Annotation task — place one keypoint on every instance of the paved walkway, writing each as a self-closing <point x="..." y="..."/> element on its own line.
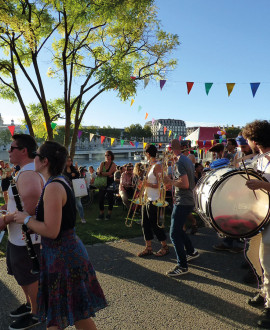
<point x="140" y="296"/>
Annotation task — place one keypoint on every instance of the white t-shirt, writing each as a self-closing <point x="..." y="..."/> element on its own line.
<point x="15" y="235"/>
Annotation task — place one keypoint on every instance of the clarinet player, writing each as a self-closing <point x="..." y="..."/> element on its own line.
<point x="29" y="185"/>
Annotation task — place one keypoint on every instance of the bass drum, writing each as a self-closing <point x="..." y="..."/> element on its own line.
<point x="223" y="201"/>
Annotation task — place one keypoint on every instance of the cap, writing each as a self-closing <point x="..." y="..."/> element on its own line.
<point x="241" y="141"/>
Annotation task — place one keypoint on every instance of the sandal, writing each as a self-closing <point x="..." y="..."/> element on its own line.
<point x="163" y="251"/>
<point x="146" y="252"/>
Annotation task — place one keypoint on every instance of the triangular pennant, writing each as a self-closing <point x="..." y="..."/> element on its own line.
<point x="153" y="121"/>
<point x="122" y="143"/>
<point x="204" y="142"/>
<point x="220" y="140"/>
<point x="146" y="81"/>
<point x="44" y="124"/>
<point x="112" y="141"/>
<point x="11" y="129"/>
<point x="189" y="86"/>
<point x="102" y="138"/>
<point x="79" y="134"/>
<point x="254" y="87"/>
<point x="212" y="142"/>
<point x="136" y="144"/>
<point x="159" y="145"/>
<point x="146" y="115"/>
<point x="159" y="126"/>
<point x="144" y="145"/>
<point x="180" y="137"/>
<point x="132" y="101"/>
<point x="53" y="125"/>
<point x="132" y="77"/>
<point x="230" y="87"/>
<point x="174" y="135"/>
<point x="208" y="87"/>
<point x="164" y="129"/>
<point x="170" y="132"/>
<point x="91" y="136"/>
<point x="130" y="142"/>
<point x="162" y="83"/>
<point x="139" y="108"/>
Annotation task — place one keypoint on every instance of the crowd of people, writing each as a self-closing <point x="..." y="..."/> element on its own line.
<point x="66" y="291"/>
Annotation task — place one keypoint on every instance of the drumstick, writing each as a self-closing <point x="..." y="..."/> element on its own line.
<point x="248" y="177"/>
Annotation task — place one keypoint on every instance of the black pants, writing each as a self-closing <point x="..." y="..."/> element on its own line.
<point x="149" y="223"/>
<point x="101" y="198"/>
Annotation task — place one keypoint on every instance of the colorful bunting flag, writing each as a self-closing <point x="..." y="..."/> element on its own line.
<point x="164" y="129"/>
<point x="132" y="101"/>
<point x="175" y="135"/>
<point x="146" y="81"/>
<point x="53" y="125"/>
<point x="208" y="87"/>
<point x="159" y="126"/>
<point x="112" y="141"/>
<point x="144" y="145"/>
<point x="44" y="124"/>
<point x="180" y="137"/>
<point x="230" y="87"/>
<point x="139" y="108"/>
<point x="170" y="132"/>
<point x="122" y="143"/>
<point x="11" y="129"/>
<point x="189" y="86"/>
<point x="254" y="87"/>
<point x="160" y="145"/>
<point x="162" y="83"/>
<point x="220" y="140"/>
<point x="153" y="121"/>
<point x="212" y="142"/>
<point x="102" y="138"/>
<point x="79" y="134"/>
<point x="136" y="144"/>
<point x="132" y="77"/>
<point x="146" y="115"/>
<point x="91" y="136"/>
<point x="204" y="142"/>
<point x="130" y="142"/>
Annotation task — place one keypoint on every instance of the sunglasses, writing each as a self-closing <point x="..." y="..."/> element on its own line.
<point x="36" y="154"/>
<point x="12" y="148"/>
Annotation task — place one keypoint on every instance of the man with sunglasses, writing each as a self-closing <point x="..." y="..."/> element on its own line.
<point x="29" y="184"/>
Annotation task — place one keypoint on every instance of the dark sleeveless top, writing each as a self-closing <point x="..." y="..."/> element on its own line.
<point x="110" y="179"/>
<point x="68" y="211"/>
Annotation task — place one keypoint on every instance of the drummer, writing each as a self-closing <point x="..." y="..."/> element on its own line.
<point x="257" y="134"/>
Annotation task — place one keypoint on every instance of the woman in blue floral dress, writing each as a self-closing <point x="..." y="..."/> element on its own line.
<point x="69" y="292"/>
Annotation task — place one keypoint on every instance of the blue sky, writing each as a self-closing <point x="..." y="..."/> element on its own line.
<point x="221" y="42"/>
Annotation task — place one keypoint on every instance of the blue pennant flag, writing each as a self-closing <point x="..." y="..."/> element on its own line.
<point x="254" y="87"/>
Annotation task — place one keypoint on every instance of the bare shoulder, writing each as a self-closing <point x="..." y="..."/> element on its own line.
<point x="29" y="178"/>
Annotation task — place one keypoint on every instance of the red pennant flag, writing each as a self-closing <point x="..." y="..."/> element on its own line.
<point x="11" y="129"/>
<point x="189" y="86"/>
<point x="180" y="137"/>
<point x="102" y="138"/>
<point x="146" y="115"/>
<point x="130" y="142"/>
<point x="164" y="129"/>
<point x="132" y="77"/>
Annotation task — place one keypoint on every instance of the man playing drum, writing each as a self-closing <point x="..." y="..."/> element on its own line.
<point x="257" y="134"/>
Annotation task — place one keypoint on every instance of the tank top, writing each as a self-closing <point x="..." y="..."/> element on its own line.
<point x="152" y="193"/>
<point x="14" y="229"/>
<point x="68" y="211"/>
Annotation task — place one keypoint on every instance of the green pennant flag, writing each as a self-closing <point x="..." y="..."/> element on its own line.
<point x="175" y="135"/>
<point x="208" y="87"/>
<point x="220" y="140"/>
<point x="53" y="125"/>
<point x="122" y="143"/>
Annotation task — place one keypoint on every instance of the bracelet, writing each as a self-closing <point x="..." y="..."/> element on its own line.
<point x="26" y="220"/>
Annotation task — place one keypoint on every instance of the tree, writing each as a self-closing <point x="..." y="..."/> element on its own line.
<point x="136" y="131"/>
<point x="5" y="137"/>
<point x="94" y="46"/>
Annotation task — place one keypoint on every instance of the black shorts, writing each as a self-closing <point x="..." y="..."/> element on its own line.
<point x="5" y="184"/>
<point x="19" y="263"/>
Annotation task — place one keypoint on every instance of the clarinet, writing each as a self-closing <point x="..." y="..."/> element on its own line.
<point x="29" y="245"/>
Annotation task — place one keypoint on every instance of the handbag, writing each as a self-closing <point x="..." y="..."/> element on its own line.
<point x="100" y="182"/>
<point x="79" y="187"/>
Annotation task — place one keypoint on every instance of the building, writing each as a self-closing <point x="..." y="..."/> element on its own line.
<point x="176" y="126"/>
<point x="191" y="129"/>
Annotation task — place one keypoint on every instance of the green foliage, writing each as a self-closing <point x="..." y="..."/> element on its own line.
<point x="5" y="137"/>
<point x="136" y="131"/>
<point x="232" y="132"/>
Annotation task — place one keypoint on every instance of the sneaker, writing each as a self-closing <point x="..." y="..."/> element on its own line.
<point x="264" y="321"/>
<point x="25" y="322"/>
<point x="177" y="271"/>
<point x="108" y="217"/>
<point x="221" y="247"/>
<point x="257" y="301"/>
<point x="100" y="217"/>
<point x="24" y="309"/>
<point x="194" y="255"/>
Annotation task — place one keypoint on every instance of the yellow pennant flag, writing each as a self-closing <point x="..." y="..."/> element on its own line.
<point x="146" y="115"/>
<point x="45" y="125"/>
<point x="91" y="136"/>
<point x="132" y="101"/>
<point x="144" y="145"/>
<point x="212" y="142"/>
<point x="170" y="132"/>
<point x="230" y="87"/>
<point x="112" y="141"/>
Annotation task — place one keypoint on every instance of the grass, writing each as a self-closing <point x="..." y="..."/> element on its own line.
<point x="103" y="231"/>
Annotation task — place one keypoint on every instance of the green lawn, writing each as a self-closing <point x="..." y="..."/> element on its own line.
<point x="102" y="231"/>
